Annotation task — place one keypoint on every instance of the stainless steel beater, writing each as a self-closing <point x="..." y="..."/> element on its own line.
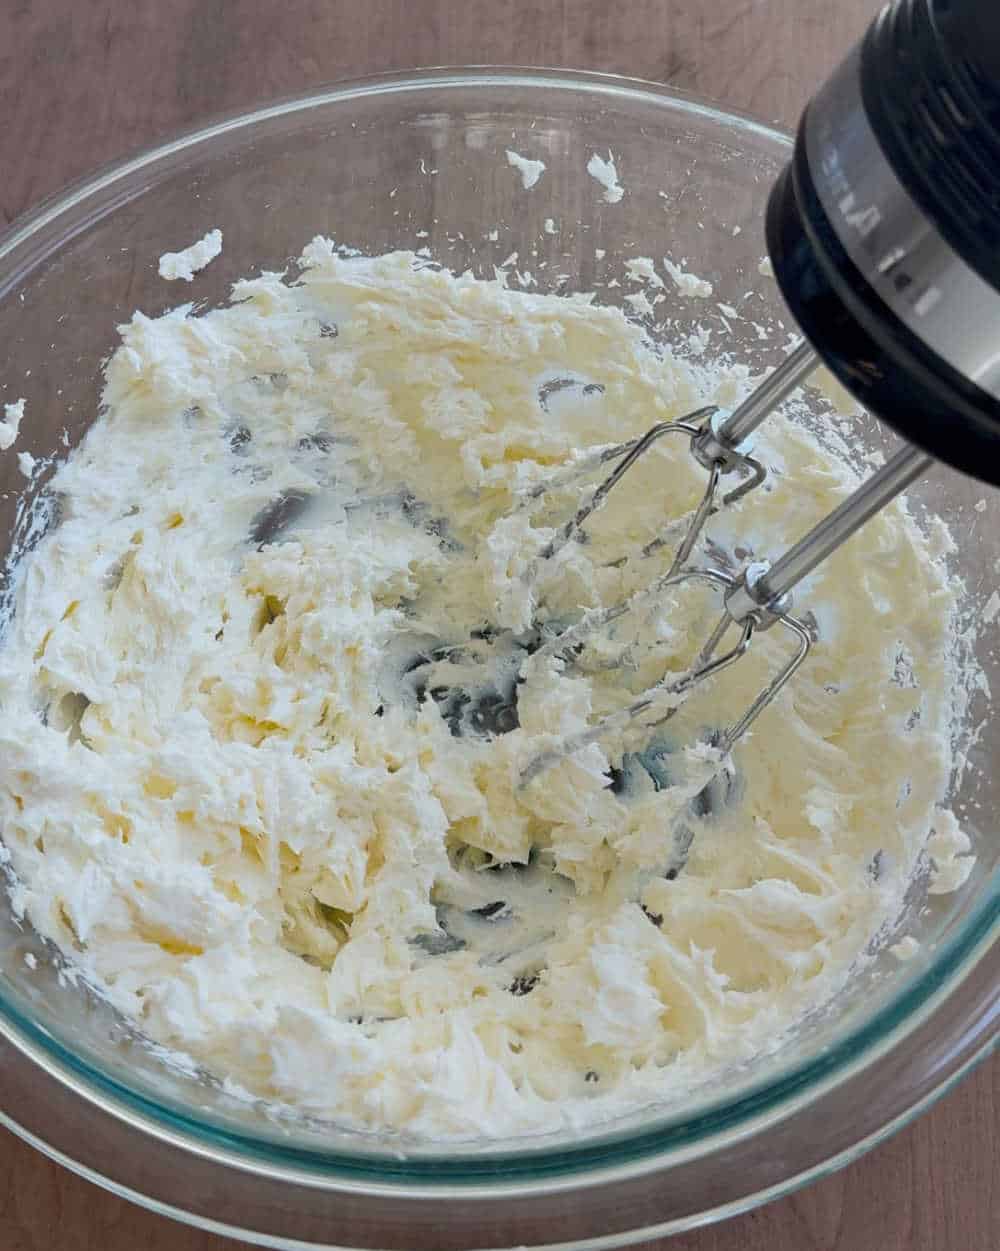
<point x="757" y="598"/>
<point x="884" y="236"/>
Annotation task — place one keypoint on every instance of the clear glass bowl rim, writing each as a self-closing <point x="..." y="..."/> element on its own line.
<point x="50" y="225"/>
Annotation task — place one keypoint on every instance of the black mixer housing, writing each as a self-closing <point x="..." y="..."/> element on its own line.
<point x="884" y="229"/>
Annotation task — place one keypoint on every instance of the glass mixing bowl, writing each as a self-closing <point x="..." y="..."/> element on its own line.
<point x="418" y="161"/>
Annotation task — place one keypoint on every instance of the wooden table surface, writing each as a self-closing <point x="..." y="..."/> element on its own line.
<point x="83" y="82"/>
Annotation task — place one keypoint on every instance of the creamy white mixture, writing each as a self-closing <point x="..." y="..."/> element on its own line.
<point x="11" y="424"/>
<point x="687" y="283"/>
<point x="191" y="260"/>
<point x="605" y="172"/>
<point x="242" y="778"/>
<point x="529" y="169"/>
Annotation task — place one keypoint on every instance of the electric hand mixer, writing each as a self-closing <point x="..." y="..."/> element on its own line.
<point x="884" y="235"/>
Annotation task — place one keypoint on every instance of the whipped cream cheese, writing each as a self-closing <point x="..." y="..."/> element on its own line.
<point x="269" y="690"/>
<point x="191" y="260"/>
<point x="11" y="425"/>
<point x="604" y="172"/>
<point x="529" y="169"/>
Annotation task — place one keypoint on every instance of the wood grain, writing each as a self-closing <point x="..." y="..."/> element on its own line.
<point x="82" y="83"/>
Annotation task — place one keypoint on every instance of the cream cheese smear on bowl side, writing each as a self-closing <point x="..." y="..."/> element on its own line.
<point x="270" y="686"/>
